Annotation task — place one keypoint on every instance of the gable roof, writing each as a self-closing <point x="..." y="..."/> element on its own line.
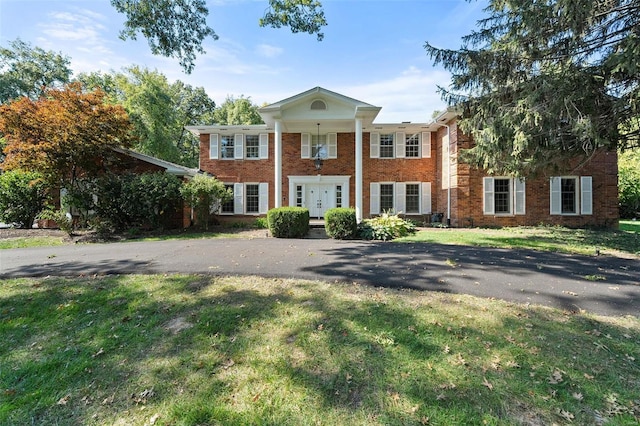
<point x="171" y="168"/>
<point x="335" y="112"/>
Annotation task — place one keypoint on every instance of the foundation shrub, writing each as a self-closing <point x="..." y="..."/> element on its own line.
<point x="386" y="227"/>
<point x="341" y="223"/>
<point x="288" y="222"/>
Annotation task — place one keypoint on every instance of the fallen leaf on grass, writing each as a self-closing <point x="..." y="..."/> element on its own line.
<point x="97" y="354"/>
<point x="578" y="396"/>
<point x="555" y="378"/>
<point x="566" y="415"/>
<point x="64" y="400"/>
<point x="486" y="383"/>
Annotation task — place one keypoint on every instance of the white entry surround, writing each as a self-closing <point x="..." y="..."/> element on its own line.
<point x="318" y="192"/>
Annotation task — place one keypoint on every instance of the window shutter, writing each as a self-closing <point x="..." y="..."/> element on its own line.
<point x="374" y="145"/>
<point x="238" y="146"/>
<point x="426" y="144"/>
<point x="489" y="205"/>
<point x="586" y="195"/>
<point x="332" y="145"/>
<point x="555" y="191"/>
<point x="264" y="146"/>
<point x="305" y="145"/>
<point x="400" y="145"/>
<point x="213" y="146"/>
<point x="399" y="203"/>
<point x="426" y="197"/>
<point x="238" y="198"/>
<point x="374" y="195"/>
<point x="520" y="194"/>
<point x="263" y="197"/>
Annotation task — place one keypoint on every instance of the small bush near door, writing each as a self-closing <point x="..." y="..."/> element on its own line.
<point x="386" y="227"/>
<point x="341" y="223"/>
<point x="288" y="222"/>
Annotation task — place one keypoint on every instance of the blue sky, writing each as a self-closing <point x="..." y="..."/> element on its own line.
<point x="372" y="51"/>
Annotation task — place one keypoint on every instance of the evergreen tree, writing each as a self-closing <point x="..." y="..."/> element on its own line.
<point x="542" y="82"/>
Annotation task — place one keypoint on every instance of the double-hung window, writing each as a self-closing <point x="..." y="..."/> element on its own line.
<point x="319" y="147"/>
<point x="571" y="195"/>
<point x="227" y="207"/>
<point x="412" y="145"/>
<point x="227" y="146"/>
<point x="400" y="197"/>
<point x="386" y="145"/>
<point x="252" y="146"/>
<point x="252" y="198"/>
<point x="504" y="196"/>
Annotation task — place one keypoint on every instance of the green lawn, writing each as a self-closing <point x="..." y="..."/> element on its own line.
<point x="194" y="350"/>
<point x="548" y="238"/>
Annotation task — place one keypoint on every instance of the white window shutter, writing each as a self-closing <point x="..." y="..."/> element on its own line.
<point x="213" y="146"/>
<point x="586" y="195"/>
<point x="426" y="144"/>
<point x="332" y="145"/>
<point x="263" y="197"/>
<point x="426" y="197"/>
<point x="520" y="194"/>
<point x="238" y="146"/>
<point x="488" y="190"/>
<point x="374" y="196"/>
<point x="305" y="145"/>
<point x="238" y="198"/>
<point x="555" y="194"/>
<point x="400" y="200"/>
<point x="374" y="145"/>
<point x="264" y="146"/>
<point x="400" y="145"/>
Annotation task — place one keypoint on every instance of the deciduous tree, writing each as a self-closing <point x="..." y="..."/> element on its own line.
<point x="28" y="71"/>
<point x="177" y="28"/>
<point x="237" y="112"/>
<point x="542" y="82"/>
<point x="63" y="134"/>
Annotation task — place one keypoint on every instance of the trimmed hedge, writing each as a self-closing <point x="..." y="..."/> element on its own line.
<point x="340" y="223"/>
<point x="288" y="222"/>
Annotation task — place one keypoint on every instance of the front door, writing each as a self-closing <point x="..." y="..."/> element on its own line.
<point x="319" y="198"/>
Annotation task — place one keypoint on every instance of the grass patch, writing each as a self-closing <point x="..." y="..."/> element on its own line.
<point x="189" y="350"/>
<point x="545" y="238"/>
<point x="630" y="225"/>
<point x="26" y="242"/>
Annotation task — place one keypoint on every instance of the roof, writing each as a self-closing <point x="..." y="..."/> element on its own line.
<point x="171" y="168"/>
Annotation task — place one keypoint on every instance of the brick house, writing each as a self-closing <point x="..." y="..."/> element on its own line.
<point x="320" y="149"/>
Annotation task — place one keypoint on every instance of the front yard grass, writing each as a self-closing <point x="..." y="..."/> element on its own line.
<point x="192" y="350"/>
<point x="625" y="240"/>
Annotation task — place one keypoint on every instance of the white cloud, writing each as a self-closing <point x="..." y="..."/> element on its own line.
<point x="268" y="51"/>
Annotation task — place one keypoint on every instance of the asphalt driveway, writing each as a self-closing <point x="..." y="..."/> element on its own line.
<point x="599" y="284"/>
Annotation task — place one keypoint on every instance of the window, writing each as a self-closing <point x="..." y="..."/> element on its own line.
<point x="252" y="198"/>
<point x="504" y="196"/>
<point x="252" y="146"/>
<point x="227" y="146"/>
<point x="298" y="195"/>
<point x="338" y="195"/>
<point x="412" y="198"/>
<point x="412" y="145"/>
<point x="571" y="195"/>
<point x="319" y="146"/>
<point x="386" y="145"/>
<point x="386" y="197"/>
<point x="228" y="207"/>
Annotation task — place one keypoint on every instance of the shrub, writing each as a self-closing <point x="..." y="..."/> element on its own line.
<point x="261" y="223"/>
<point x="341" y="223"/>
<point x="206" y="195"/>
<point x="386" y="227"/>
<point x="22" y="197"/>
<point x="62" y="218"/>
<point x="288" y="222"/>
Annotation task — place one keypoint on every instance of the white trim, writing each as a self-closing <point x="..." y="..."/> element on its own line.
<point x="263" y="197"/>
<point x="399" y="200"/>
<point x="238" y="198"/>
<point x="555" y="194"/>
<point x="488" y="200"/>
<point x="520" y="193"/>
<point x="374" y="198"/>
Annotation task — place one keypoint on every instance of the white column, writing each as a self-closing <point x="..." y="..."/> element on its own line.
<point x="278" y="164"/>
<point x="358" y="200"/>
